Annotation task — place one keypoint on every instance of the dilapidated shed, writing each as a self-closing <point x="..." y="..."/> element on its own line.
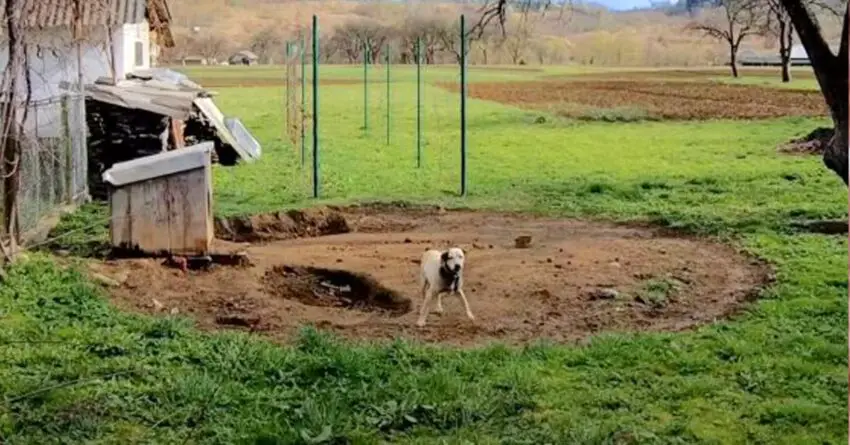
<point x="162" y="204"/>
<point x="153" y="111"/>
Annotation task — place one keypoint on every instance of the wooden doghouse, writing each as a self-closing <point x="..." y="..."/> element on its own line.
<point x="162" y="204"/>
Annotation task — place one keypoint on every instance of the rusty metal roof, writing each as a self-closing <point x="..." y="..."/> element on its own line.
<point x="55" y="13"/>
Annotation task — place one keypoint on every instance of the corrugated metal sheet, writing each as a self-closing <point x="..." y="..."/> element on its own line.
<point x="54" y="13"/>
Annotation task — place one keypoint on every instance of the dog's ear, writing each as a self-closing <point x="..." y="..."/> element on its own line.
<point x="445" y="256"/>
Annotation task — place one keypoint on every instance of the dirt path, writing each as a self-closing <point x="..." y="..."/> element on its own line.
<point x="576" y="278"/>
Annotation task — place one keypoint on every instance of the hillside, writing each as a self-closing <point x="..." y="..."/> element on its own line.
<point x="585" y="34"/>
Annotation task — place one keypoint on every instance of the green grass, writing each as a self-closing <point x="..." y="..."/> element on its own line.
<point x="807" y="83"/>
<point x="75" y="370"/>
<point x="802" y="77"/>
<point x="709" y="176"/>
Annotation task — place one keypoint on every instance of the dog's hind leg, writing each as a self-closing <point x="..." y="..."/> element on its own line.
<point x="465" y="304"/>
<point x="426" y="302"/>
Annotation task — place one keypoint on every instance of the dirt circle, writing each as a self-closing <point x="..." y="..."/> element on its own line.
<point x="573" y="279"/>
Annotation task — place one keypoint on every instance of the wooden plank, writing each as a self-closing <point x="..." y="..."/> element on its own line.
<point x="177" y="137"/>
<point x="191" y="220"/>
<point x="209" y="195"/>
<point x="179" y="217"/>
<point x="120" y="223"/>
<point x="200" y="224"/>
<point x="150" y="216"/>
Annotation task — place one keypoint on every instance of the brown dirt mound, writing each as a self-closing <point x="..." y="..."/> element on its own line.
<point x="813" y="143"/>
<point x="315" y="286"/>
<point x="574" y="279"/>
<point x="281" y="225"/>
<point x="659" y="99"/>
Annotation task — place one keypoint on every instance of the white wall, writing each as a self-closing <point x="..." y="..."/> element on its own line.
<point x="130" y="43"/>
<point x="53" y="59"/>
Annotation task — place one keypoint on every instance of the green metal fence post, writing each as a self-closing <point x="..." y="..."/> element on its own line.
<point x="303" y="98"/>
<point x="463" y="177"/>
<point x="365" y="86"/>
<point x="315" y="106"/>
<point x="287" y="109"/>
<point x="418" y="102"/>
<point x="388" y="92"/>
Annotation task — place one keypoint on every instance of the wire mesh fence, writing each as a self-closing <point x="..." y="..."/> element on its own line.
<point x="53" y="158"/>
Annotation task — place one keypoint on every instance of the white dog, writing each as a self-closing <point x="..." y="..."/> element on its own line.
<point x="442" y="272"/>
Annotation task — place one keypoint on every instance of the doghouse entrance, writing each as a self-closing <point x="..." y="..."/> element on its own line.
<point x="333" y="288"/>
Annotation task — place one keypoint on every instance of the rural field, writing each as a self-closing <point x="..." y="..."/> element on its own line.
<point x="667" y="295"/>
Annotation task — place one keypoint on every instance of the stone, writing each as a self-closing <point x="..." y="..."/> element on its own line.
<point x="604" y="294"/>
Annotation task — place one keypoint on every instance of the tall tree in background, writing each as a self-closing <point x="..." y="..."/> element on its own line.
<point x="210" y="47"/>
<point x="779" y="25"/>
<point x="737" y="20"/>
<point x="266" y="43"/>
<point x="427" y="31"/>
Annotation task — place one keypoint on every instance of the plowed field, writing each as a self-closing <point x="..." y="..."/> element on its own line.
<point x="657" y="99"/>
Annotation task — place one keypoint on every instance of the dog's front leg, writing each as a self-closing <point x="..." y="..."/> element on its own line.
<point x="423" y="311"/>
<point x="465" y="304"/>
<point x="439" y="308"/>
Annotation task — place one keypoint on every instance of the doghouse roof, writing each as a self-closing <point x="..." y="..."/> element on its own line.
<point x="159" y="165"/>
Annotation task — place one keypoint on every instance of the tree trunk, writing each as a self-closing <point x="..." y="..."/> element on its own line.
<point x="831" y="73"/>
<point x="786" y="68"/>
<point x="11" y="143"/>
<point x="786" y="35"/>
<point x="835" y="155"/>
<point x="733" y="61"/>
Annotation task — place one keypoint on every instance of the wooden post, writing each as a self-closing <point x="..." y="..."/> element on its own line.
<point x="68" y="192"/>
<point x="177" y="133"/>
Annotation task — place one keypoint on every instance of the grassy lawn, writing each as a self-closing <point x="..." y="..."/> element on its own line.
<point x="75" y="370"/>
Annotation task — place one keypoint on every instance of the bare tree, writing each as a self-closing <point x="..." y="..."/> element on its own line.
<point x="265" y="43"/>
<point x="427" y="31"/>
<point x="210" y="47"/>
<point x="486" y="42"/>
<point x="363" y="35"/>
<point x="347" y="43"/>
<point x="328" y="48"/>
<point x="518" y="37"/>
<point x="779" y="25"/>
<point x="738" y="20"/>
<point x="831" y="72"/>
<point x="496" y="12"/>
<point x="450" y="42"/>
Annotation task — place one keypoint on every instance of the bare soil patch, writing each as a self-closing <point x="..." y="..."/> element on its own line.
<point x="813" y="143"/>
<point x="678" y="74"/>
<point x="572" y="279"/>
<point x="659" y="99"/>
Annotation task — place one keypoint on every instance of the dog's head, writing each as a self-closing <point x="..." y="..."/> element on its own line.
<point x="453" y="259"/>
